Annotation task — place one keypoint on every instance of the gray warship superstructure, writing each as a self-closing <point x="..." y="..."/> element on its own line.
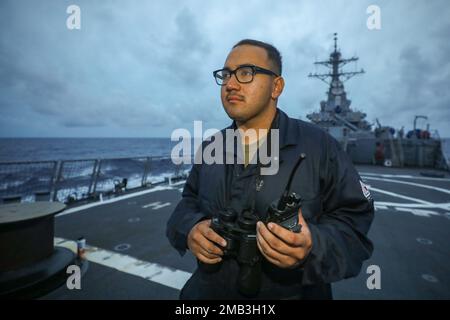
<point x="365" y="145"/>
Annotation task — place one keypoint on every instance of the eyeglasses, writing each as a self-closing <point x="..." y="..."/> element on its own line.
<point x="244" y="74"/>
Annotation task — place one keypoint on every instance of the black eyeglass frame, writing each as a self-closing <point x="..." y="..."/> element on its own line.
<point x="255" y="69"/>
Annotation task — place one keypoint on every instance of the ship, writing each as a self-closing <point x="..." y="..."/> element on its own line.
<point x="116" y="210"/>
<point x="365" y="142"/>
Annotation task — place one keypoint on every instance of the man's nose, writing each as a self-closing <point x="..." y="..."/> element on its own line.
<point x="232" y="83"/>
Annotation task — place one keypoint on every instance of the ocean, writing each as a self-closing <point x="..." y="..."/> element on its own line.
<point x="121" y="158"/>
<point x="44" y="149"/>
<point x="76" y="178"/>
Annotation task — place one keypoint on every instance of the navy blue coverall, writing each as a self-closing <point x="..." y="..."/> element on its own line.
<point x="335" y="204"/>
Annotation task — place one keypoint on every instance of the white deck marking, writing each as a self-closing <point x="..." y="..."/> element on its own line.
<point x="402" y="176"/>
<point x="415" y="211"/>
<point x="122" y="247"/>
<point x="397" y="195"/>
<point x="417" y="207"/>
<point x="445" y="206"/>
<point x="430" y="278"/>
<point x="119" y="198"/>
<point x="154" y="272"/>
<point x="156" y="205"/>
<point x="419" y="212"/>
<point x="410" y="183"/>
<point x="424" y="241"/>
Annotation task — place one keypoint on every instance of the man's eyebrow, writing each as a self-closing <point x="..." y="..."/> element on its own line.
<point x="239" y="65"/>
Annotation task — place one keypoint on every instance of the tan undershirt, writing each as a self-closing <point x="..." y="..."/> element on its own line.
<point x="249" y="150"/>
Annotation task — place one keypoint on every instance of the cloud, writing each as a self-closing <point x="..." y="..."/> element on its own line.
<point x="145" y="68"/>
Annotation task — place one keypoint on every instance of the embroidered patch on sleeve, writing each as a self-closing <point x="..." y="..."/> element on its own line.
<point x="365" y="190"/>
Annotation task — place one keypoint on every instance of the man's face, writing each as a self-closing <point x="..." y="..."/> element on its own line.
<point x="244" y="101"/>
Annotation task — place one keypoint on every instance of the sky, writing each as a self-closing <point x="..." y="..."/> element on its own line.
<point x="144" y="68"/>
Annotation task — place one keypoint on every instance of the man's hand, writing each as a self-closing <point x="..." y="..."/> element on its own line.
<point x="203" y="241"/>
<point x="284" y="248"/>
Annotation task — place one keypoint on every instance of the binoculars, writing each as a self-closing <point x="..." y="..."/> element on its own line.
<point x="239" y="231"/>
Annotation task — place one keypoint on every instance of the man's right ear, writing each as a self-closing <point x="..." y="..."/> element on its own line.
<point x="278" y="87"/>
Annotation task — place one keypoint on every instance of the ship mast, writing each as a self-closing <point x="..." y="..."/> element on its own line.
<point x="335" y="63"/>
<point x="335" y="112"/>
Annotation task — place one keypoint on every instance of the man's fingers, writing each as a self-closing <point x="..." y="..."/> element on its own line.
<point x="211" y="248"/>
<point x="269" y="252"/>
<point x="272" y="240"/>
<point x="291" y="238"/>
<point x="207" y="260"/>
<point x="211" y="235"/>
<point x="207" y="247"/>
<point x="306" y="232"/>
<point x="208" y="254"/>
<point x="273" y="261"/>
<point x="199" y="244"/>
<point x="301" y="220"/>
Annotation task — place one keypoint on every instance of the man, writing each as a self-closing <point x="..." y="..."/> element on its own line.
<point x="336" y="207"/>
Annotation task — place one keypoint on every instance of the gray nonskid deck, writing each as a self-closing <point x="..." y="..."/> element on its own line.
<point x="410" y="234"/>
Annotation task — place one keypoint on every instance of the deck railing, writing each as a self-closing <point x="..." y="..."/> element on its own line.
<point x="73" y="180"/>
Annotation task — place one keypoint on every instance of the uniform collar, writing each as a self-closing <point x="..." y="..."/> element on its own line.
<point x="289" y="130"/>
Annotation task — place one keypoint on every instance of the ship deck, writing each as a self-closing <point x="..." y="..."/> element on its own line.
<point x="129" y="256"/>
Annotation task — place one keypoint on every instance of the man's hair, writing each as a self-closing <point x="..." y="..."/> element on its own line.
<point x="272" y="52"/>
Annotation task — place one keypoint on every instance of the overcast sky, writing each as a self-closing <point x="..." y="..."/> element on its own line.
<point x="144" y="68"/>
